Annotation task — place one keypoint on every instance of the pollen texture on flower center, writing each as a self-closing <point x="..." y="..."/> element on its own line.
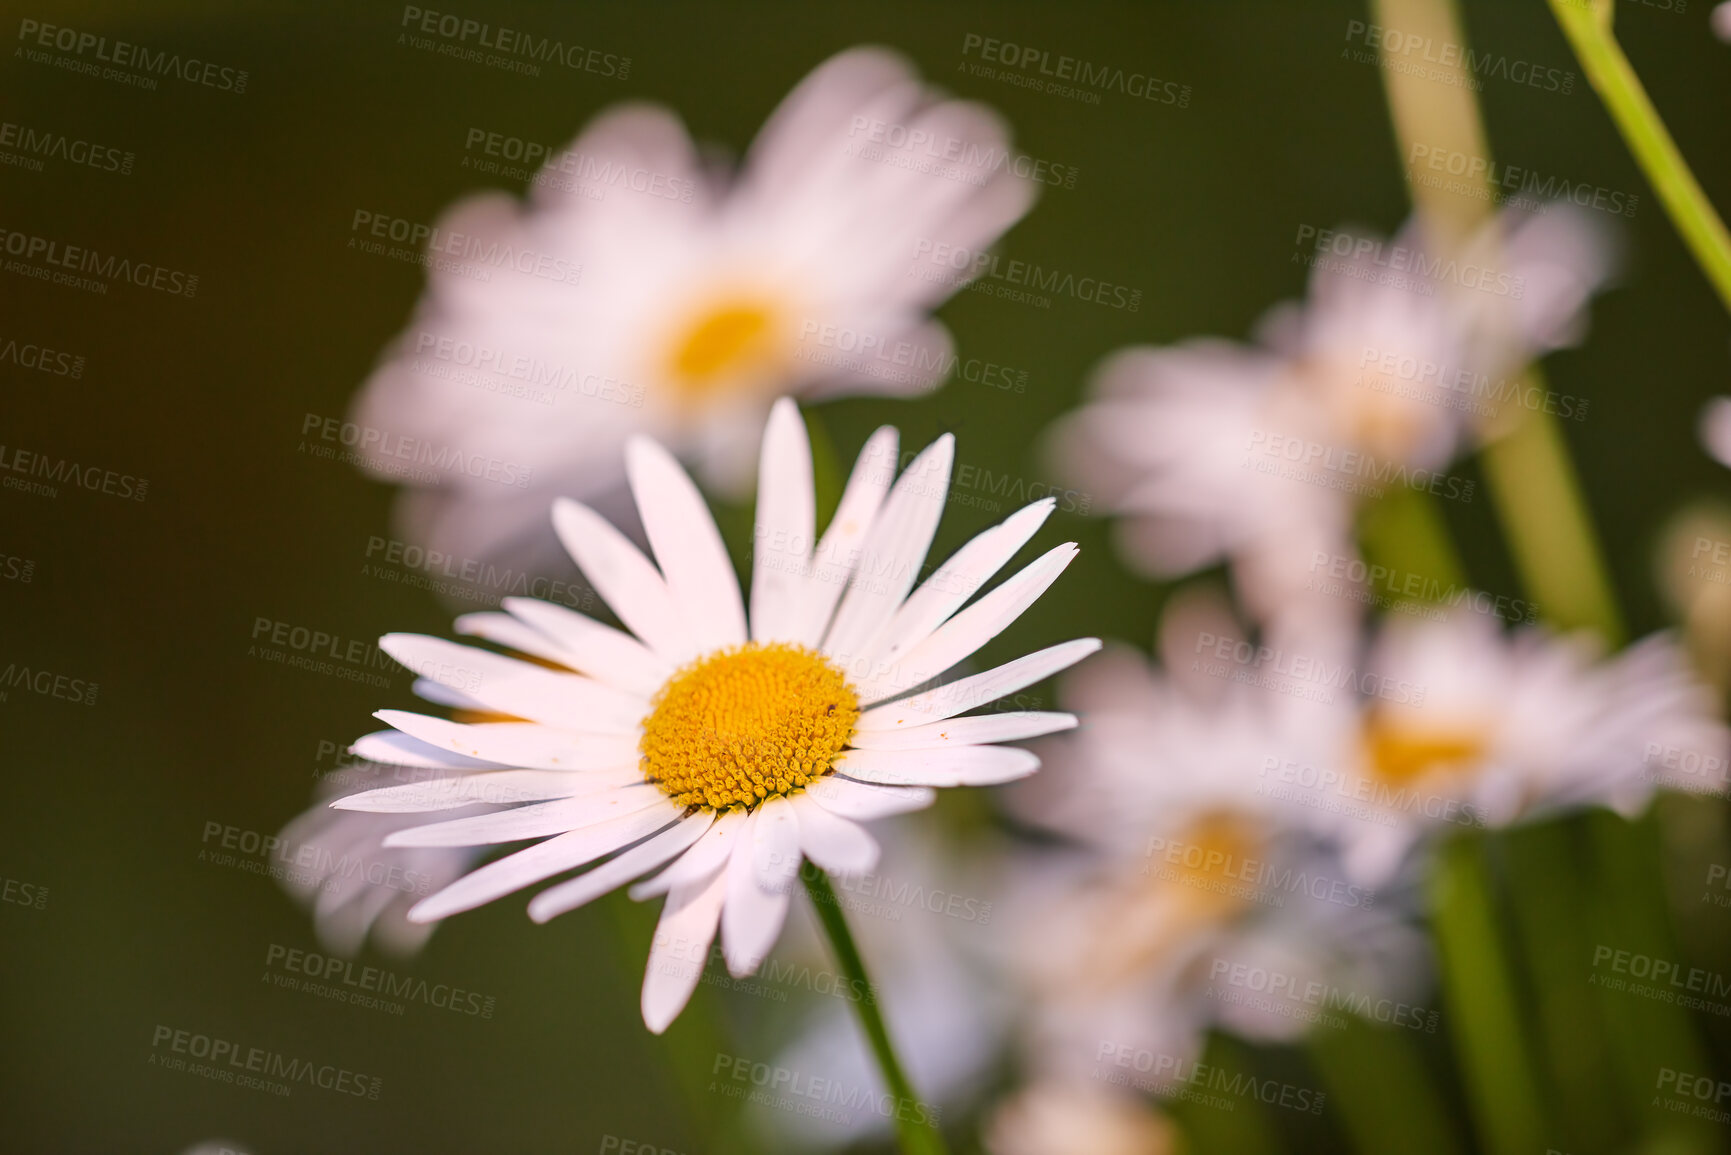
<point x="747" y="724"/>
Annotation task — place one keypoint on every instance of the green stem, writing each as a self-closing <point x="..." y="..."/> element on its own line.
<point x="1609" y="72"/>
<point x="914" y="1128"/>
<point x="1483" y="1010"/>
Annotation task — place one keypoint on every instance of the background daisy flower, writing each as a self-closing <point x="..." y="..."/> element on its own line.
<point x="1260" y="455"/>
<point x="683" y="313"/>
<point x="720" y="746"/>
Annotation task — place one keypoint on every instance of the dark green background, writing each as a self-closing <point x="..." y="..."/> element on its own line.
<point x="106" y="805"/>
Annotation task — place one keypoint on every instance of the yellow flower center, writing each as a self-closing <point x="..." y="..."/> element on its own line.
<point x="729" y="340"/>
<point x="1400" y="755"/>
<point x="746" y="724"/>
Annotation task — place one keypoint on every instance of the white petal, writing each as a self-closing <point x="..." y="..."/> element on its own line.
<point x="527" y="745"/>
<point x="570" y="895"/>
<point x="965" y="633"/>
<point x="775" y="845"/>
<point x="543" y="860"/>
<point x="687" y="545"/>
<point x="868" y="800"/>
<point x="786" y="528"/>
<point x="837" y="550"/>
<point x="506" y="630"/>
<point x="604" y="653"/>
<point x="680" y="950"/>
<point x="832" y="842"/>
<point x="496" y="787"/>
<point x="399" y="749"/>
<point x="538" y="820"/>
<point x="893" y="552"/>
<point x="625" y="579"/>
<point x="517" y="688"/>
<point x="958" y="579"/>
<point x="751" y="917"/>
<point x="430" y="691"/>
<point x="969" y="693"/>
<point x="977" y="730"/>
<point x="960" y="766"/>
<point x="708" y="856"/>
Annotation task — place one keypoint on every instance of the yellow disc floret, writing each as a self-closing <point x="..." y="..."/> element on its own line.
<point x="746" y="724"/>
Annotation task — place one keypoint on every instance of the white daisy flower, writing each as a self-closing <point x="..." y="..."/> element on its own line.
<point x="719" y="745"/>
<point x="1507" y="728"/>
<point x="355" y="887"/>
<point x="692" y="312"/>
<point x="1182" y="856"/>
<point x="1260" y="455"/>
<point x="1073" y="1117"/>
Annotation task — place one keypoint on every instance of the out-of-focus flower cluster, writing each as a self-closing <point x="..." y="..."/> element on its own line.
<point x="1237" y="835"/>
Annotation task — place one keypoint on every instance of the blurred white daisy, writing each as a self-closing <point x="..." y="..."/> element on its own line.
<point x="355" y="887"/>
<point x="722" y="746"/>
<point x="1070" y="1117"/>
<point x="1506" y="728"/>
<point x="1181" y="856"/>
<point x="692" y="312"/>
<point x="1260" y="455"/>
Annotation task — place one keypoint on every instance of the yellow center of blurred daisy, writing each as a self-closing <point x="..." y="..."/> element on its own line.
<point x="720" y="344"/>
<point x="747" y="724"/>
<point x="1400" y="755"/>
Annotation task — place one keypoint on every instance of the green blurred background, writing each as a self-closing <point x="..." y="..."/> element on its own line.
<point x="108" y="805"/>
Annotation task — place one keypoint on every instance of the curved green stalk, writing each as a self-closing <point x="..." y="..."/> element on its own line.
<point x="913" y="1119"/>
<point x="1608" y="70"/>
